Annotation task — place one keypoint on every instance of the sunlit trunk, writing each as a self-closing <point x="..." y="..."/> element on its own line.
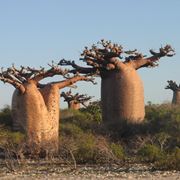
<point x="36" y="112"/>
<point x="51" y="134"/>
<point x="122" y="96"/>
<point x="176" y="98"/>
<point x="73" y="105"/>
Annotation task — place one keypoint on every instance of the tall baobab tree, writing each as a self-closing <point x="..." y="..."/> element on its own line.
<point x="176" y="91"/>
<point x="122" y="94"/>
<point x="75" y="100"/>
<point x="35" y="106"/>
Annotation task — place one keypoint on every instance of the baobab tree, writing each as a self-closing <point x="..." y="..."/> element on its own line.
<point x="176" y="91"/>
<point x="74" y="101"/>
<point x="35" y="106"/>
<point x="122" y="94"/>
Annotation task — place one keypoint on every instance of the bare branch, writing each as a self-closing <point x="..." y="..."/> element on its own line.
<point x="99" y="56"/>
<point x="163" y="51"/>
<point x="24" y="74"/>
<point x="77" y="68"/>
<point x="39" y="74"/>
<point x="77" y="98"/>
<point x="72" y="80"/>
<point x="19" y="76"/>
<point x="173" y="86"/>
<point x="131" y="51"/>
<point x="153" y="60"/>
<point x="8" y="79"/>
<point x="134" y="55"/>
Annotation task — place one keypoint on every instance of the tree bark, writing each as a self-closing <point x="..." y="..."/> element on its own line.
<point x="176" y="98"/>
<point x="36" y="115"/>
<point x="19" y="122"/>
<point x="36" y="112"/>
<point x="52" y="101"/>
<point x="73" y="105"/>
<point x="122" y="96"/>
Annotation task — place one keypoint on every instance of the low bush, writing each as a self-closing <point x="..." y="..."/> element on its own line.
<point x="84" y="138"/>
<point x="95" y="110"/>
<point x="171" y="161"/>
<point x="5" y="116"/>
<point x="6" y="136"/>
<point x="117" y="150"/>
<point x="86" y="149"/>
<point x="69" y="129"/>
<point x="150" y="153"/>
<point x="82" y="119"/>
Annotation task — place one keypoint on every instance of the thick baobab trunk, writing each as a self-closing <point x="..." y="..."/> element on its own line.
<point x="122" y="96"/>
<point x="176" y="98"/>
<point x="51" y="133"/>
<point x="73" y="105"/>
<point x="37" y="113"/>
<point x="19" y="122"/>
<point x="40" y="113"/>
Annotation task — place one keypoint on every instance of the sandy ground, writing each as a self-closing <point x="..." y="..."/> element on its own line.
<point x="54" y="171"/>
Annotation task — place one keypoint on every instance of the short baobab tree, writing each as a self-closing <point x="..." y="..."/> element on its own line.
<point x="176" y="91"/>
<point x="35" y="106"/>
<point x="122" y="93"/>
<point x="74" y="101"/>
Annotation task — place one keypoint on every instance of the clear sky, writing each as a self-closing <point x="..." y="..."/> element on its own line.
<point x="35" y="32"/>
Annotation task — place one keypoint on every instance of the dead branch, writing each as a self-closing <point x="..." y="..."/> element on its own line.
<point x="74" y="160"/>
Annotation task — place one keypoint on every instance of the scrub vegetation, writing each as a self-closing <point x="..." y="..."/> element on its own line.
<point x="85" y="139"/>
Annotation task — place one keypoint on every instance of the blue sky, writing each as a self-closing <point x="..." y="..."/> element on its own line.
<point x="35" y="32"/>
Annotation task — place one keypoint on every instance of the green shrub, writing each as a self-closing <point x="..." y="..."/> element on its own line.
<point x="95" y="110"/>
<point x="69" y="129"/>
<point x="84" y="120"/>
<point x="16" y="137"/>
<point x="88" y="148"/>
<point x="163" y="124"/>
<point x="117" y="150"/>
<point x="90" y="141"/>
<point x="5" y="116"/>
<point x="162" y="127"/>
<point x="3" y="135"/>
<point x="67" y="113"/>
<point x="150" y="153"/>
<point x="171" y="160"/>
<point x="164" y="118"/>
<point x="7" y="135"/>
<point x="85" y="149"/>
<point x="162" y="139"/>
